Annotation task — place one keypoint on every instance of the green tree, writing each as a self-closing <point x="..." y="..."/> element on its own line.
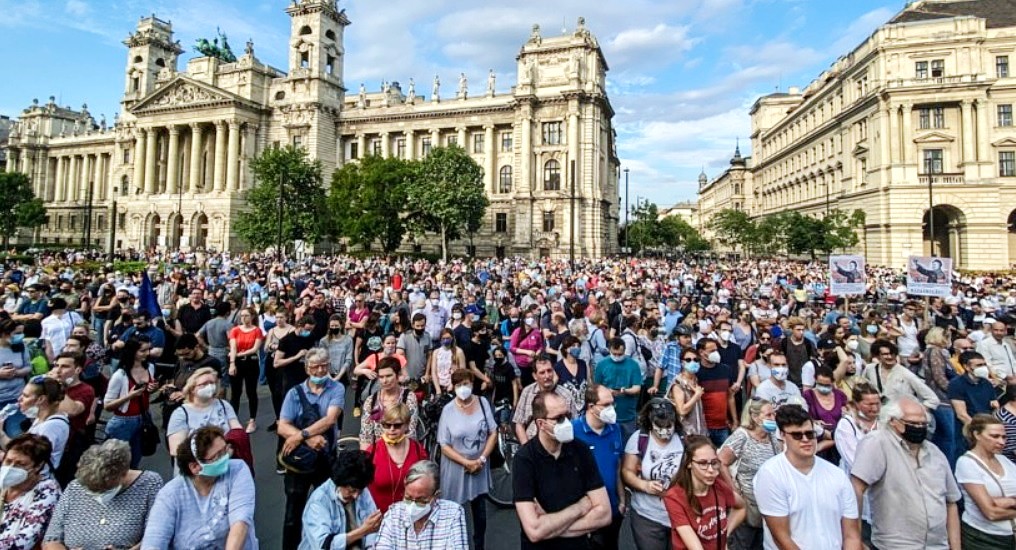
<point x="840" y="229"/>
<point x="678" y="233"/>
<point x="734" y="228"/>
<point x="367" y="202"/>
<point x="18" y="205"/>
<point x="302" y="202"/>
<point x="446" y="194"/>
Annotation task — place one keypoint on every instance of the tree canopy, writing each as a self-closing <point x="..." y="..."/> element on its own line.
<point x="18" y="205"/>
<point x="367" y="202"/>
<point x="669" y="233"/>
<point x="790" y="232"/>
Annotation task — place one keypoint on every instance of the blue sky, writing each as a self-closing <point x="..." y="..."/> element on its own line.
<point x="683" y="73"/>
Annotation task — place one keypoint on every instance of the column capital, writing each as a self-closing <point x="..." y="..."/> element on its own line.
<point x="195" y="126"/>
<point x="150" y="130"/>
<point x="220" y="124"/>
<point x="383" y="134"/>
<point x="488" y="126"/>
<point x="173" y="129"/>
<point x="234" y="123"/>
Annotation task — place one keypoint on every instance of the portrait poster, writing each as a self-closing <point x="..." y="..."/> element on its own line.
<point x="929" y="276"/>
<point x="846" y="275"/>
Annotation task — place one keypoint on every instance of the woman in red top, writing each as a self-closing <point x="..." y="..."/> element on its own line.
<point x="244" y="343"/>
<point x="526" y="344"/>
<point x="393" y="455"/>
<point x="703" y="509"/>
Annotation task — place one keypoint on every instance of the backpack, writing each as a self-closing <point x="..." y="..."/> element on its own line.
<point x="238" y="438"/>
<point x="304" y="459"/>
<point x="644" y="354"/>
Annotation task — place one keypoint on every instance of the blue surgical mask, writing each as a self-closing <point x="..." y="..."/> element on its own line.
<point x="216" y="468"/>
<point x="318" y="380"/>
<point x="769" y="425"/>
<point x="872" y="329"/>
<point x="692" y="367"/>
<point x="446" y="342"/>
<point x="575" y="352"/>
<point x="304" y="333"/>
<point x="17" y="339"/>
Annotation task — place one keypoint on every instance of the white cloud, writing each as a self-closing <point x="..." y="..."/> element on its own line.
<point x="76" y="8"/>
<point x="661" y="44"/>
<point x="859" y="30"/>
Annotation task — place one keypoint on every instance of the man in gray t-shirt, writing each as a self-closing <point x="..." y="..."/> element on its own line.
<point x="215" y="334"/>
<point x="414" y="345"/>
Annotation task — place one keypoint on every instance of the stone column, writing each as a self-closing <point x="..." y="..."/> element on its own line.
<point x="361" y="146"/>
<point x="435" y="138"/>
<point x="88" y="180"/>
<point x="526" y="151"/>
<point x="173" y="162"/>
<point x="967" y="134"/>
<point x="219" y="175"/>
<point x="139" y="159"/>
<point x="384" y="144"/>
<point x="462" y="139"/>
<point x="151" y="165"/>
<point x="983" y="132"/>
<point x="908" y="123"/>
<point x="410" y="145"/>
<point x="195" y="158"/>
<point x="58" y="189"/>
<point x="491" y="175"/>
<point x="26" y="162"/>
<point x="72" y="179"/>
<point x="574" y="162"/>
<point x="233" y="159"/>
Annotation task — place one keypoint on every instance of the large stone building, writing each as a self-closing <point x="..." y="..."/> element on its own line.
<point x="175" y="162"/>
<point x="923" y="106"/>
<point x="731" y="189"/>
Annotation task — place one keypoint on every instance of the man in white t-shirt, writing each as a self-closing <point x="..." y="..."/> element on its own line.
<point x="776" y="389"/>
<point x="806" y="502"/>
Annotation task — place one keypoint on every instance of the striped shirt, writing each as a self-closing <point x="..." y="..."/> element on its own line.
<point x="445" y="529"/>
<point x="1009" y="420"/>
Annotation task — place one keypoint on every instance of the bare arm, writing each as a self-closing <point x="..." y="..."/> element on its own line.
<point x="540" y="525"/>
<point x="237" y="536"/>
<point x="988" y="506"/>
<point x="520" y="433"/>
<point x="598" y="516"/>
<point x="779" y="528"/>
<point x="960" y="407"/>
<point x="851" y="532"/>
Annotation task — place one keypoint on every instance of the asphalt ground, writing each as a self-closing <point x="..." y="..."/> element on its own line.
<point x="502" y="524"/>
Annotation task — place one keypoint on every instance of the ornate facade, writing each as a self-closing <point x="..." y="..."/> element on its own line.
<point x="922" y="107"/>
<point x="175" y="162"/>
<point x="731" y="189"/>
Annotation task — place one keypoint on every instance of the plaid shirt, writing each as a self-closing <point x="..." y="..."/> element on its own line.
<point x="671" y="362"/>
<point x="445" y="529"/>
<point x="524" y="410"/>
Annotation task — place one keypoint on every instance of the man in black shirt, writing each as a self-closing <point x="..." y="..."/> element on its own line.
<point x="292" y="349"/>
<point x="559" y="494"/>
<point x="319" y="310"/>
<point x="194" y="314"/>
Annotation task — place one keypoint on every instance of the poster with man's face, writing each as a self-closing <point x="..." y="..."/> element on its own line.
<point x="846" y="275"/>
<point x="929" y="276"/>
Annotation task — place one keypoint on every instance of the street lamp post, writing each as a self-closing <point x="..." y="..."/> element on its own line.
<point x="179" y="217"/>
<point x="88" y="214"/>
<point x="112" y="227"/>
<point x="931" y="216"/>
<point x="626" y="209"/>
<point x="278" y="239"/>
<point x="571" y="223"/>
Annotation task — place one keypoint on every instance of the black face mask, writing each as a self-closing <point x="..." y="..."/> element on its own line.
<point x="418" y="331"/>
<point x="334" y="331"/>
<point x="914" y="434"/>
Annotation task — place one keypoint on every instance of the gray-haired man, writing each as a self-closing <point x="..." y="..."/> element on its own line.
<point x="422" y="520"/>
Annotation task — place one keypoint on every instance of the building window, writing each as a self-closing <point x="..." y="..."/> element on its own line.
<point x="1007" y="164"/>
<point x="122" y="222"/>
<point x="937" y="68"/>
<point x="548" y="221"/>
<point x="1005" y="115"/>
<point x="400" y="147"/>
<point x="938" y="117"/>
<point x="73" y="223"/>
<point x="297" y="141"/>
<point x="552" y="133"/>
<point x="100" y="222"/>
<point x="304" y="60"/>
<point x="330" y="65"/>
<point x="500" y="222"/>
<point x="1002" y="66"/>
<point x="425" y="146"/>
<point x="552" y="176"/>
<point x="924" y="119"/>
<point x="354" y="150"/>
<point x="932" y="161"/>
<point x="921" y="70"/>
<point x="59" y="223"/>
<point x="478" y="142"/>
<point x="126" y="155"/>
<point x="506" y="142"/>
<point x="453" y="140"/>
<point x="505" y="180"/>
<point x="375" y="147"/>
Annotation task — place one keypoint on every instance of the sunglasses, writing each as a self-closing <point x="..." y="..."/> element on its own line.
<point x="392" y="425"/>
<point x="798" y="436"/>
<point x="556" y="419"/>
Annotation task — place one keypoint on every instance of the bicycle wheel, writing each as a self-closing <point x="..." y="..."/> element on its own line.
<point x="348" y="443"/>
<point x="501" y="490"/>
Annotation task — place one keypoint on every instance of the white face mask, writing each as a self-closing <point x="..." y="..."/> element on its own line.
<point x="32" y="412"/>
<point x="105" y="497"/>
<point x="456" y="315"/>
<point x="852" y="345"/>
<point x="982" y="372"/>
<point x="12" y="476"/>
<point x="664" y="433"/>
<point x="463" y="392"/>
<point x="780" y="373"/>
<point x="564" y="431"/>
<point x="608" y="415"/>
<point x="530" y="321"/>
<point x="714" y="357"/>
<point x="69" y="381"/>
<point x="205" y="392"/>
<point x="725" y="335"/>
<point x="418" y="511"/>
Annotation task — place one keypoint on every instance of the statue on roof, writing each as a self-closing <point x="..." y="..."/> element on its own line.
<point x="463" y="86"/>
<point x="411" y="95"/>
<point x="491" y="79"/>
<point x="249" y="49"/>
<point x="435" y="94"/>
<point x="222" y="53"/>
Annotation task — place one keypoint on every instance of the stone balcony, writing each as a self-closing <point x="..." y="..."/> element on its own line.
<point x="951" y="177"/>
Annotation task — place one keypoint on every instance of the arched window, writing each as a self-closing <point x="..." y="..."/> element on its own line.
<point x="160" y="63"/>
<point x="505" y="181"/>
<point x="138" y="59"/>
<point x="552" y="176"/>
<point x="330" y="34"/>
<point x="304" y="30"/>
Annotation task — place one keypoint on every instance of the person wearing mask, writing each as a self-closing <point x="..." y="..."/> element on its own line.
<point x="856" y="423"/>
<point x="686" y="394"/>
<point x="970" y="394"/>
<point x="987" y="479"/>
<point x="36" y="307"/>
<point x="214" y="334"/>
<point x="211" y="502"/>
<point x="853" y="365"/>
<point x="526" y="344"/>
<point x="701" y="505"/>
<point x="274" y="376"/>
<point x="913" y="494"/>
<point x="142" y="327"/>
<point x="505" y="382"/>
<point x="200" y="407"/>
<point x="572" y="372"/>
<point x="758" y="369"/>
<point x="414" y="345"/>
<point x="750" y="445"/>
<point x="825" y="405"/>
<point x="13" y="365"/>
<point x="443" y="362"/>
<point x="777" y="389"/>
<point x="467" y="434"/>
<point x="107" y="504"/>
<point x="892" y="381"/>
<point x="389" y="394"/>
<point x="367" y="369"/>
<point x="622" y="375"/>
<point x="718" y="404"/>
<point x="797" y="349"/>
<point x="905" y="328"/>
<point x="327" y="397"/>
<point x="128" y="395"/>
<point x="40" y="402"/>
<point x="999" y="351"/>
<point x="597" y="429"/>
<point x="28" y="494"/>
<point x="558" y="493"/>
<point x="291" y="353"/>
<point x="341" y="512"/>
<point x="421" y="519"/>
<point x="805" y="502"/>
<point x="393" y="455"/>
<point x="57" y="326"/>
<point x="652" y="458"/>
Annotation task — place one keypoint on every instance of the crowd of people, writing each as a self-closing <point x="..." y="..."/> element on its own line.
<point x="709" y="404"/>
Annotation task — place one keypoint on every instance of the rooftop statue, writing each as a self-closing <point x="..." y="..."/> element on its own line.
<point x="222" y="53"/>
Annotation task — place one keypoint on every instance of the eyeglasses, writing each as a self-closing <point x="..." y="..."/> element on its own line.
<point x="419" y="502"/>
<point x="556" y="419"/>
<point x="707" y="464"/>
<point x="798" y="436"/>
<point x="392" y="425"/>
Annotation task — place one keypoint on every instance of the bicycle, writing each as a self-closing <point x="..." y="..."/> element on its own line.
<point x="430" y="415"/>
<point x="501" y="490"/>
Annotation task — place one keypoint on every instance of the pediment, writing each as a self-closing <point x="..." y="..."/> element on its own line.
<point x="1005" y="142"/>
<point x="859" y="149"/>
<point x="934" y="137"/>
<point x="183" y="92"/>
